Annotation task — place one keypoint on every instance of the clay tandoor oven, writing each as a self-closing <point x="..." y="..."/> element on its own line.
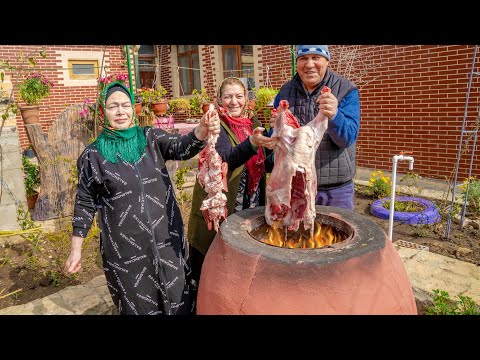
<point x="348" y="267"/>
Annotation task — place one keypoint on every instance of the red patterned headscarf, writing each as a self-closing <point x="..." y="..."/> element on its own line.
<point x="242" y="128"/>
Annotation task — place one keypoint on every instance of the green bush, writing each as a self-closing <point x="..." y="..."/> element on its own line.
<point x="443" y="305"/>
<point x="379" y="185"/>
<point x="31" y="176"/>
<point x="34" y="88"/>
<point x="473" y="194"/>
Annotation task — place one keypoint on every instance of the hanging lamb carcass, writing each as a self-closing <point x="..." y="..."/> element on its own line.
<point x="212" y="176"/>
<point x="292" y="185"/>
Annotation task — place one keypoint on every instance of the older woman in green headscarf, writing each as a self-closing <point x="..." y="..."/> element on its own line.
<point x="123" y="176"/>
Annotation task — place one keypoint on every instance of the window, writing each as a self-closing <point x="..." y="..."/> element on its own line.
<point x="238" y="62"/>
<point x="83" y="69"/>
<point x="189" y="63"/>
<point x="146" y="66"/>
<point x="231" y="60"/>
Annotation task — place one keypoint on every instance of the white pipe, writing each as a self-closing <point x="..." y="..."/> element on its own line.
<point x="396" y="158"/>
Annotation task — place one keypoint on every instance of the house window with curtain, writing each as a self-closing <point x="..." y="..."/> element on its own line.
<point x="238" y="62"/>
<point x="189" y="69"/>
<point x="146" y="65"/>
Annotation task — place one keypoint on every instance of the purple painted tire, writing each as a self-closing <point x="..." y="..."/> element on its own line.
<point x="428" y="216"/>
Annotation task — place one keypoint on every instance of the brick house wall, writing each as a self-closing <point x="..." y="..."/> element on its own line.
<point x="412" y="99"/>
<point x="61" y="95"/>
<point x="163" y="54"/>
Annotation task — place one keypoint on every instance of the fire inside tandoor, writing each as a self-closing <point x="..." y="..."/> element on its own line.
<point x="324" y="235"/>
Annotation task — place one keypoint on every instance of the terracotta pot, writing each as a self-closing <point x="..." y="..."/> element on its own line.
<point x="362" y="275"/>
<point x="138" y="108"/>
<point x="31" y="200"/>
<point x="251" y="104"/>
<point x="160" y="108"/>
<point x="30" y="114"/>
<point x="205" y="108"/>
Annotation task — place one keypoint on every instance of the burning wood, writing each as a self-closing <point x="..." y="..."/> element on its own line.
<point x="323" y="235"/>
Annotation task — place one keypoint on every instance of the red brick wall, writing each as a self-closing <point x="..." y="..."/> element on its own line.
<point x="208" y="68"/>
<point x="417" y="104"/>
<point x="165" y="69"/>
<point x="61" y="96"/>
<point x="275" y="63"/>
<point x="412" y="99"/>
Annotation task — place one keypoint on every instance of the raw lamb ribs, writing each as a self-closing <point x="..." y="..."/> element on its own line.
<point x="292" y="185"/>
<point x="212" y="176"/>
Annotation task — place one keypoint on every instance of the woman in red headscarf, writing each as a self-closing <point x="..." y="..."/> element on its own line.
<point x="242" y="150"/>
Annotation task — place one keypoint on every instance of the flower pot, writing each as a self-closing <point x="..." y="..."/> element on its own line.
<point x="146" y="120"/>
<point x="29" y="153"/>
<point x="205" y="108"/>
<point x="138" y="108"/>
<point x="251" y="104"/>
<point x="30" y="114"/>
<point x="31" y="200"/>
<point x="160" y="108"/>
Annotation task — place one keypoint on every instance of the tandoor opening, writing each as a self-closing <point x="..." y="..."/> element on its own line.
<point x="327" y="231"/>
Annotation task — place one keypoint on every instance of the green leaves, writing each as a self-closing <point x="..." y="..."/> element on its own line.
<point x="31" y="176"/>
<point x="443" y="305"/>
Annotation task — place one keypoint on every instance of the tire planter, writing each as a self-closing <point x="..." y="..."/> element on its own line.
<point x="428" y="216"/>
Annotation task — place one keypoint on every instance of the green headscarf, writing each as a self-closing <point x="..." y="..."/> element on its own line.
<point x="128" y="143"/>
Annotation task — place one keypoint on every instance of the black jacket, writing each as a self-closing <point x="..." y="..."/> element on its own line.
<point x="143" y="246"/>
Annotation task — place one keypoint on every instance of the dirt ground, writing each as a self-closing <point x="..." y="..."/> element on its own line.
<point x="29" y="271"/>
<point x="461" y="244"/>
<point x="26" y="275"/>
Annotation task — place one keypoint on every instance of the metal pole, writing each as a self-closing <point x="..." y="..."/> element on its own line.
<point x="292" y="50"/>
<point x="130" y="79"/>
<point x="468" y="182"/>
<point x="392" y="199"/>
<point x="449" y="223"/>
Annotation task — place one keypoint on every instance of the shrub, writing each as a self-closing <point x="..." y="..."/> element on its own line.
<point x="379" y="185"/>
<point x="473" y="194"/>
<point x="34" y="88"/>
<point x="31" y="176"/>
<point x="443" y="305"/>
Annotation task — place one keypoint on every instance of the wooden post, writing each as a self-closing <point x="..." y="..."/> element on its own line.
<point x="57" y="152"/>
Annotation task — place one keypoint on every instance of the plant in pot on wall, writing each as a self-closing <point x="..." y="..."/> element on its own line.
<point x="263" y="97"/>
<point x="32" y="90"/>
<point x="138" y="104"/>
<point x="200" y="101"/>
<point x="154" y="100"/>
<point x="31" y="179"/>
<point x="179" y="105"/>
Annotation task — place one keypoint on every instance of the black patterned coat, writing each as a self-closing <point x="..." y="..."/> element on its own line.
<point x="142" y="241"/>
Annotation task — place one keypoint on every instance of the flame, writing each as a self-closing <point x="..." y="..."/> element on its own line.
<point x="323" y="235"/>
<point x="274" y="237"/>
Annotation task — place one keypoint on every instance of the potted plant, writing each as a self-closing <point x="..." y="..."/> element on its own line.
<point x="264" y="96"/>
<point x="31" y="179"/>
<point x="138" y="104"/>
<point x="200" y="101"/>
<point x="153" y="100"/>
<point x="252" y="100"/>
<point x="32" y="90"/>
<point x="179" y="105"/>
